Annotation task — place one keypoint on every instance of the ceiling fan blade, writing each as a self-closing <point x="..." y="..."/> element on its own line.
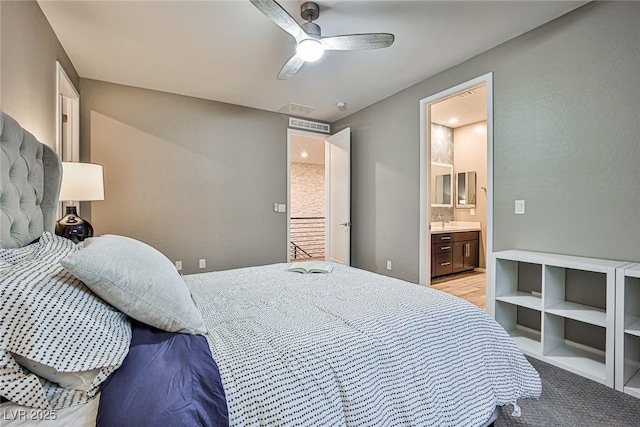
<point x="280" y="17"/>
<point x="290" y="68"/>
<point x="358" y="41"/>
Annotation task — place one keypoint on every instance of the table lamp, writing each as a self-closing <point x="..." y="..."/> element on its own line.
<point x="81" y="182"/>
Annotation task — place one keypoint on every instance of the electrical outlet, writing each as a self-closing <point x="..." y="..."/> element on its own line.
<point x="519" y="207"/>
<point x="389" y="265"/>
<point x="179" y="265"/>
<point x="202" y="263"/>
<point x="472" y="211"/>
<point x="275" y="207"/>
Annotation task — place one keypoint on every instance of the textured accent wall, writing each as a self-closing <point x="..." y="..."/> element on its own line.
<point x="566" y="97"/>
<point x="307" y="189"/>
<point x="441" y="144"/>
<point x="30" y="49"/>
<point x="442" y="151"/>
<point x="307" y="200"/>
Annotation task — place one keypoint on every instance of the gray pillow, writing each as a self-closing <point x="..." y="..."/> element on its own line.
<point x="137" y="280"/>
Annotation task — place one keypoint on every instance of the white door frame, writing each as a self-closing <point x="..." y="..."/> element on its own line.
<point x="291" y="132"/>
<point x="425" y="177"/>
<point x="70" y="151"/>
<point x="65" y="88"/>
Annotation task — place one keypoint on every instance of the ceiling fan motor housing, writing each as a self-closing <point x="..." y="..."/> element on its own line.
<point x="311" y="28"/>
<point x="309" y="11"/>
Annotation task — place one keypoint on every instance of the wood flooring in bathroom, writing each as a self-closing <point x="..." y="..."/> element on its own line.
<point x="468" y="286"/>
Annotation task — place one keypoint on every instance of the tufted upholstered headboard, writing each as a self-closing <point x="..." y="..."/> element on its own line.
<point x="30" y="175"/>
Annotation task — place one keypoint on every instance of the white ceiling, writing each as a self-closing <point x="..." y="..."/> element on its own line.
<point x="466" y="107"/>
<point x="314" y="147"/>
<point x="228" y="51"/>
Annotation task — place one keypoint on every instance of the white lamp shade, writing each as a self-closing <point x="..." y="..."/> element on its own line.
<point x="81" y="182"/>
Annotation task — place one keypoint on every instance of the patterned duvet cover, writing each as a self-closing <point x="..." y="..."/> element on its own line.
<point x="354" y="348"/>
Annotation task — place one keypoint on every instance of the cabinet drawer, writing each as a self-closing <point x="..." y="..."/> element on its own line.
<point x="440" y="248"/>
<point x="442" y="264"/>
<point x="465" y="235"/>
<point x="440" y="238"/>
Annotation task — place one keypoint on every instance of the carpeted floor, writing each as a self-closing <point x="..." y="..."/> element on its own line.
<point x="571" y="400"/>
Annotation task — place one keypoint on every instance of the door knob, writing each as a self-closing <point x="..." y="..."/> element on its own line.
<point x="346" y="224"/>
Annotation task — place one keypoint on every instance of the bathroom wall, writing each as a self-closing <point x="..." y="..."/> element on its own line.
<point x="470" y="155"/>
<point x="442" y="152"/>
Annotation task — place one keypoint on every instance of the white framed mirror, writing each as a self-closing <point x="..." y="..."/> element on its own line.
<point x="466" y="190"/>
<point x="441" y="185"/>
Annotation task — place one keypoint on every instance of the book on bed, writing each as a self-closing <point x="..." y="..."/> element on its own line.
<point x="310" y="267"/>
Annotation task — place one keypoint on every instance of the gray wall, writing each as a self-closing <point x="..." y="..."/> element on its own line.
<point x="566" y="140"/>
<point x="29" y="50"/>
<point x="193" y="178"/>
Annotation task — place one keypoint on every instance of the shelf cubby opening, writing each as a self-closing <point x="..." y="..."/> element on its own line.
<point x="576" y="294"/>
<point x="631" y="368"/>
<point x="519" y="283"/>
<point x="632" y="306"/>
<point x="575" y="346"/>
<point x="523" y="325"/>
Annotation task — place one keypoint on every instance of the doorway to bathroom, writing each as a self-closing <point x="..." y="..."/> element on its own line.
<point x="456" y="169"/>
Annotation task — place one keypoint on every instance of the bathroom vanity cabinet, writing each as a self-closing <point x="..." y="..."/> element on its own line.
<point x="454" y="252"/>
<point x="465" y="251"/>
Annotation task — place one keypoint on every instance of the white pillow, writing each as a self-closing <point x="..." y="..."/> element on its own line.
<point x="82" y="380"/>
<point x="137" y="280"/>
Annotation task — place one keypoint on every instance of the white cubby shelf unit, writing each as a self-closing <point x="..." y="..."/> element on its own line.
<point x="628" y="330"/>
<point x="559" y="308"/>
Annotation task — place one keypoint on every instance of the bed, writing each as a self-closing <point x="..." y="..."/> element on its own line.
<point x="250" y="346"/>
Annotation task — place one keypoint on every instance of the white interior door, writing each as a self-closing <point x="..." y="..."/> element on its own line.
<point x="338" y="197"/>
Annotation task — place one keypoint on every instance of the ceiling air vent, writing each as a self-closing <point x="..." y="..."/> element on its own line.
<point x="309" y="125"/>
<point x="297" y="109"/>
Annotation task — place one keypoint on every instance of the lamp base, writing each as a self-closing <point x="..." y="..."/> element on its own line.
<point x="73" y="227"/>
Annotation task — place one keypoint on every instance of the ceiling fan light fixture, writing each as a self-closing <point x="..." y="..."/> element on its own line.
<point x="310" y="50"/>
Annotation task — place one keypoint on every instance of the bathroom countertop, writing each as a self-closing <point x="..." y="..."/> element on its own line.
<point x="454" y="227"/>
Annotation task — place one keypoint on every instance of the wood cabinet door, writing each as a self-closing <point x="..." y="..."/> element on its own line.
<point x="471" y="260"/>
<point x="458" y="256"/>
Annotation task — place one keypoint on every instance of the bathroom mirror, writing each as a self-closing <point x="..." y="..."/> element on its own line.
<point x="441" y="185"/>
<point x="466" y="190"/>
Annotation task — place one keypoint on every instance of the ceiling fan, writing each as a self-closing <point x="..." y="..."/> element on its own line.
<point x="310" y="43"/>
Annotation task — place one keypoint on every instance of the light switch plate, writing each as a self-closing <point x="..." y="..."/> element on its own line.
<point x="179" y="265"/>
<point x="472" y="211"/>
<point x="202" y="263"/>
<point x="389" y="265"/>
<point x="282" y="207"/>
<point x="519" y="207"/>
